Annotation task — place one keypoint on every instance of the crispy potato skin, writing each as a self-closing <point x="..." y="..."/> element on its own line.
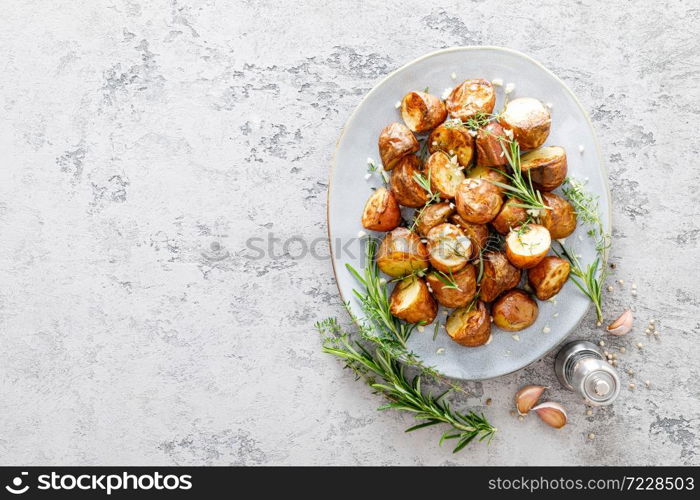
<point x="489" y="150"/>
<point x="510" y="216"/>
<point x="412" y="307"/>
<point x="499" y="275"/>
<point x="489" y="174"/>
<point x="433" y="215"/>
<point x="471" y="97"/>
<point x="478" y="201"/>
<point x="449" y="248"/>
<point x="561" y="219"/>
<point x="514" y="310"/>
<point x="529" y="120"/>
<point x="478" y="234"/>
<point x="401" y="252"/>
<point x="469" y="328"/>
<point x="450" y="297"/>
<point x="548" y="277"/>
<point x="382" y="212"/>
<point x="404" y="185"/>
<point x="454" y="138"/>
<point x="514" y="249"/>
<point x="547" y="167"/>
<point x="422" y="112"/>
<point x="396" y="141"/>
<point x="445" y="175"/>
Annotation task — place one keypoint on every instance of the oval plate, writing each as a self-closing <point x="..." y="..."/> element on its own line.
<point x="348" y="191"/>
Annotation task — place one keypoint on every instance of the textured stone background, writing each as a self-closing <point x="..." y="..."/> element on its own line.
<point x="142" y="143"/>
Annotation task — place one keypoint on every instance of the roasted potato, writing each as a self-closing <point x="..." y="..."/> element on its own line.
<point x="401" y="253"/>
<point x="412" y="302"/>
<point x="510" y="216"/>
<point x="489" y="149"/>
<point x="453" y="140"/>
<point x="449" y="248"/>
<point x="478" y="201"/>
<point x="422" y="112"/>
<point x="526" y="246"/>
<point x="471" y="97"/>
<point x="490" y="174"/>
<point x="547" y="167"/>
<point x="514" y="310"/>
<point x="478" y="234"/>
<point x="529" y="120"/>
<point x="548" y="277"/>
<point x="469" y="326"/>
<point x="499" y="275"/>
<point x="382" y="211"/>
<point x="432" y="215"/>
<point x="449" y="296"/>
<point x="395" y="142"/>
<point x="445" y="175"/>
<point x="560" y="219"/>
<point x="404" y="185"/>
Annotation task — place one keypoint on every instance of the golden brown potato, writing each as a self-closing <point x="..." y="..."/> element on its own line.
<point x="478" y="234"/>
<point x="529" y="120"/>
<point x="432" y="215"/>
<point x="526" y="246"/>
<point x="510" y="216"/>
<point x="412" y="302"/>
<point x="448" y="247"/>
<point x="422" y="112"/>
<point x="395" y="142"/>
<point x="478" y="201"/>
<point x="548" y="277"/>
<point x="560" y="219"/>
<point x="499" y="275"/>
<point x="470" y="327"/>
<point x="547" y="167"/>
<point x="489" y="149"/>
<point x="404" y="185"/>
<point x="401" y="253"/>
<point x="449" y="296"/>
<point x="382" y="211"/>
<point x="471" y="97"/>
<point x="514" y="310"/>
<point x="491" y="174"/>
<point x="453" y="140"/>
<point x="445" y="175"/>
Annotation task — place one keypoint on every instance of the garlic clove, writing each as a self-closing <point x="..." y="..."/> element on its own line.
<point x="552" y="414"/>
<point x="622" y="325"/>
<point x="527" y="397"/>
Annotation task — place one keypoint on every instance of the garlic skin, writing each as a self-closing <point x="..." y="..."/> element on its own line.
<point x="526" y="398"/>
<point x="552" y="414"/>
<point x="622" y="325"/>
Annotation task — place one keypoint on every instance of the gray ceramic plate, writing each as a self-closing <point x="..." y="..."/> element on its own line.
<point x="349" y="190"/>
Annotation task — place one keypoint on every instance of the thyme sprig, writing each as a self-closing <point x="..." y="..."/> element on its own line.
<point x="521" y="184"/>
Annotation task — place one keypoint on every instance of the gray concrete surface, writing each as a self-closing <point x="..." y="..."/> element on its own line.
<point x="142" y="144"/>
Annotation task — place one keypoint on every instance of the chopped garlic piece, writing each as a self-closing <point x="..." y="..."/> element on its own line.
<point x="420" y="328"/>
<point x="516" y="337"/>
<point x="446" y="93"/>
<point x="580" y="148"/>
<point x="549" y="105"/>
<point x="453" y="75"/>
<point x="441" y="350"/>
<point x="546" y="329"/>
<point x="510" y="88"/>
<point x="397" y="105"/>
<point x="498" y="82"/>
<point x="367" y="176"/>
<point x="361" y="234"/>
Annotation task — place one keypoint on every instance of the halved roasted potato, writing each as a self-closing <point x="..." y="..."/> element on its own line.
<point x="510" y="216"/>
<point x="449" y="248"/>
<point x="406" y="189"/>
<point x="412" y="302"/>
<point x="529" y="120"/>
<point x="453" y="140"/>
<point x="446" y="294"/>
<point x="490" y="146"/>
<point x="422" y="112"/>
<point x="382" y="211"/>
<point x="478" y="201"/>
<point x="499" y="275"/>
<point x="471" y="97"/>
<point x="401" y="252"/>
<point x="514" y="310"/>
<point x="548" y="277"/>
<point x="432" y="215"/>
<point x="469" y="326"/>
<point x="395" y="142"/>
<point x="490" y="174"/>
<point x="445" y="174"/>
<point x="560" y="219"/>
<point x="527" y="245"/>
<point x="547" y="167"/>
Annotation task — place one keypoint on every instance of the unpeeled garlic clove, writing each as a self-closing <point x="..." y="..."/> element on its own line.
<point x="552" y="414"/>
<point x="526" y="398"/>
<point x="622" y="325"/>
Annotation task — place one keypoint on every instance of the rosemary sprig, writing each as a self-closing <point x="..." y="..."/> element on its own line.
<point x="424" y="182"/>
<point x="448" y="281"/>
<point x="590" y="280"/>
<point x="520" y="187"/>
<point x="586" y="206"/>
